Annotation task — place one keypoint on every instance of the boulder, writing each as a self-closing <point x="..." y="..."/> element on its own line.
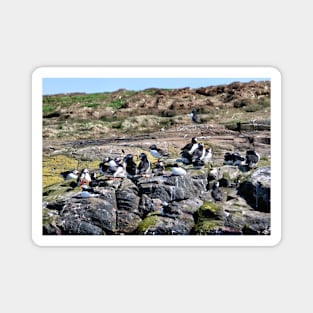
<point x="166" y="225"/>
<point x="256" y="189"/>
<point x="128" y="216"/>
<point x="173" y="188"/>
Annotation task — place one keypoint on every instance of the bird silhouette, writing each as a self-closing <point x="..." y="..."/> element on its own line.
<point x="194" y="116"/>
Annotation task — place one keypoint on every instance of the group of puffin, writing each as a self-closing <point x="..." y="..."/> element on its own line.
<point x="194" y="153"/>
<point x="251" y="160"/>
<point x="125" y="167"/>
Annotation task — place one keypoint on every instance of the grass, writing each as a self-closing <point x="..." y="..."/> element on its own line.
<point x="53" y="166"/>
<point x="68" y="100"/>
<point x="117" y="104"/>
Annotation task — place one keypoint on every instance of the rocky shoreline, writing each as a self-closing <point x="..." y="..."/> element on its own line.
<point x="164" y="205"/>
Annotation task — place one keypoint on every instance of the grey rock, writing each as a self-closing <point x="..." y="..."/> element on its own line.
<point x="256" y="189"/>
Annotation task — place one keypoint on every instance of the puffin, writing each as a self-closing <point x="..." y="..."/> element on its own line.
<point x="194" y="117"/>
<point x="207" y="157"/>
<point x="144" y="164"/>
<point x="178" y="171"/>
<point x="233" y="159"/>
<point x="84" y="178"/>
<point x="191" y="146"/>
<point x="113" y="164"/>
<point x="120" y="171"/>
<point x="158" y="168"/>
<point x="198" y="155"/>
<point x="157" y="152"/>
<point x="216" y="192"/>
<point x="73" y="174"/>
<point x="252" y="158"/>
<point x="129" y="165"/>
<point x="104" y="166"/>
<point x="186" y="157"/>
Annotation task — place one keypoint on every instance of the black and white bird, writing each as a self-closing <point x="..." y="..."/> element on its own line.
<point x="157" y="152"/>
<point x="233" y="159"/>
<point x="185" y="157"/>
<point x="144" y="164"/>
<point x="188" y="150"/>
<point x="129" y="165"/>
<point x="178" y="171"/>
<point x="120" y="171"/>
<point x="84" y="177"/>
<point x="198" y="155"/>
<point x="207" y="157"/>
<point x="73" y="174"/>
<point x="191" y="146"/>
<point x="252" y="159"/>
<point x="104" y="166"/>
<point x="109" y="166"/>
<point x="216" y="192"/>
<point x="158" y="168"/>
<point x="194" y="117"/>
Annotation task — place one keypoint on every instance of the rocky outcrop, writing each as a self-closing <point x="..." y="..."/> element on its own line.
<point x="256" y="189"/>
<point x="163" y="205"/>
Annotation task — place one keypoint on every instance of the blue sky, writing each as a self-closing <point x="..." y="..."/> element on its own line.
<point x="96" y="85"/>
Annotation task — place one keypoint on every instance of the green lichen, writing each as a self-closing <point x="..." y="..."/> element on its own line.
<point x="208" y="218"/>
<point x="207" y="226"/>
<point x="146" y="224"/>
<point x="209" y="210"/>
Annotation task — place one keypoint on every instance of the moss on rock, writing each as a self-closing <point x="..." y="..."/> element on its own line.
<point x="147" y="223"/>
<point x="207" y="226"/>
<point x="209" y="210"/>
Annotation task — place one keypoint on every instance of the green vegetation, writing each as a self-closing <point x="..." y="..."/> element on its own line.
<point x="146" y="224"/>
<point x="264" y="161"/>
<point x="72" y="99"/>
<point x="208" y="218"/>
<point x="259" y="105"/>
<point x="53" y="166"/>
<point x="149" y="91"/>
<point x="207" y="226"/>
<point x="209" y="210"/>
<point x="48" y="108"/>
<point x="116" y="104"/>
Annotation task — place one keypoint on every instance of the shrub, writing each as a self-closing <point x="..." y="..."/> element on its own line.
<point x="116" y="104"/>
<point x="47" y="108"/>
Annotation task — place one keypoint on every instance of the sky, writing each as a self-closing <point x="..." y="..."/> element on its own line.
<point x="53" y="86"/>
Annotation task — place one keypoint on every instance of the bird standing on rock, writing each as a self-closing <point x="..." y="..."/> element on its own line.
<point x="252" y="158"/>
<point x="130" y="165"/>
<point x="207" y="157"/>
<point x="198" y="155"/>
<point x="188" y="150"/>
<point x="191" y="146"/>
<point x="110" y="166"/>
<point x="144" y="165"/>
<point x="157" y="152"/>
<point x="84" y="178"/>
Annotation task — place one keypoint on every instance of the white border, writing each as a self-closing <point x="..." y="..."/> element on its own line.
<point x="156" y="72"/>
